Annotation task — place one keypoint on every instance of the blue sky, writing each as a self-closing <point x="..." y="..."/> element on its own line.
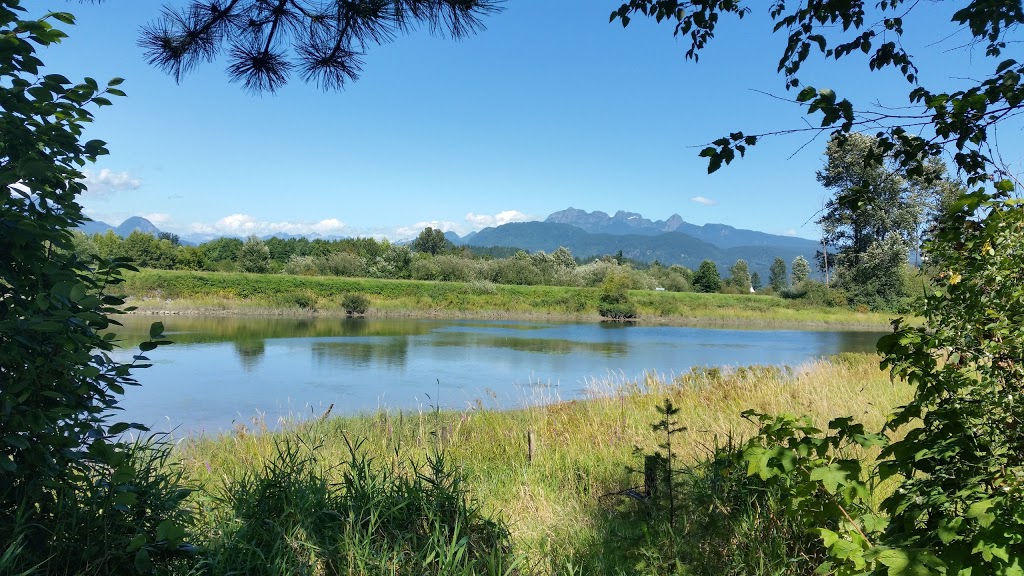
<point x="550" y="107"/>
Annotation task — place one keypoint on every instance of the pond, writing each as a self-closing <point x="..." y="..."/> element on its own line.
<point x="223" y="370"/>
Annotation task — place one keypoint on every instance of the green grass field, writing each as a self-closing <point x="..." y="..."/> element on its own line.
<point x="218" y="293"/>
<point x="554" y="506"/>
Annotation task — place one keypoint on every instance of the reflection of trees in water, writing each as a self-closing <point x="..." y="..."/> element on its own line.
<point x="386" y="352"/>
<point x="536" y="345"/>
<point x="202" y="330"/>
<point x="250" y="352"/>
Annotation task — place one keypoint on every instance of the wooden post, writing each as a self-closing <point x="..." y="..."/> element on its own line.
<point x="530" y="443"/>
<point x="651" y="466"/>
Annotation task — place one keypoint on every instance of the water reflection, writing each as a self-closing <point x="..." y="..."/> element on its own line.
<point x="223" y="369"/>
<point x="390" y="353"/>
<point x="249" y="353"/>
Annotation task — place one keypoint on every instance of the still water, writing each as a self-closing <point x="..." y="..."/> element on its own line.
<point x="225" y="370"/>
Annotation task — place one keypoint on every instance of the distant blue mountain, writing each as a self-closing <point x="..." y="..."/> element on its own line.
<point x="95" y="227"/>
<point x="136" y="223"/>
<point x="720" y="235"/>
<point x="589" y="234"/>
<point x="123" y="230"/>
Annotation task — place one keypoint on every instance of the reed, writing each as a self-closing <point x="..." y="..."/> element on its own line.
<point x="552" y="500"/>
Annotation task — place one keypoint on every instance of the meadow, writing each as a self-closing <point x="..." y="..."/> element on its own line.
<point x="162" y="291"/>
<point x="530" y="491"/>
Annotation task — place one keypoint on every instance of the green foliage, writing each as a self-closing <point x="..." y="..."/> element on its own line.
<point x="814" y="293"/>
<point x="957" y="454"/>
<point x="777" y="276"/>
<point x="958" y="121"/>
<point x="432" y="241"/>
<point x="801" y="270"/>
<point x="129" y="519"/>
<point x="563" y="257"/>
<point x="222" y="249"/>
<point x="755" y="281"/>
<point x="254" y="256"/>
<point x="961" y="462"/>
<point x="706" y="278"/>
<point x="872" y="236"/>
<point x="354" y="304"/>
<point x="61" y="460"/>
<point x="614" y="302"/>
<point x="739" y="276"/>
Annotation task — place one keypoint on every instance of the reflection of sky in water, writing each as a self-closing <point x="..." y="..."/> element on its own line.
<point x="212" y="378"/>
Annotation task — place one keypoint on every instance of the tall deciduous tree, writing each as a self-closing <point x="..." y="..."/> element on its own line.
<point x="254" y="256"/>
<point x="739" y="275"/>
<point x="801" y="269"/>
<point x="871" y="239"/>
<point x="432" y="241"/>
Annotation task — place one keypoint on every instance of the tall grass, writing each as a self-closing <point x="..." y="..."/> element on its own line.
<point x="556" y="507"/>
<point x="302" y="512"/>
<point x="215" y="292"/>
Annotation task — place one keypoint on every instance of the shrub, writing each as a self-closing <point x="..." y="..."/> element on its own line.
<point x="342" y="264"/>
<point x="614" y="302"/>
<point x="354" y="304"/>
<point x="814" y="293"/>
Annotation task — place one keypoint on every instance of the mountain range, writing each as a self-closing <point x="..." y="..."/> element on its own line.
<point x="593" y="234"/>
<point x="124" y="229"/>
<point x="671" y="241"/>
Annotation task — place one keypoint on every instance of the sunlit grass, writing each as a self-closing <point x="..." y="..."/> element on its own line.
<point x="582" y="448"/>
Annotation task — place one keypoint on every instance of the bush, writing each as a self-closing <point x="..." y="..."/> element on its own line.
<point x="74" y="498"/>
<point x="342" y="264"/>
<point x="355" y="304"/>
<point x="614" y="302"/>
<point x="814" y="293"/>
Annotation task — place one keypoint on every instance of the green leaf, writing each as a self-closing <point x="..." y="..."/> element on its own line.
<point x="142" y="562"/>
<point x="156" y="330"/>
<point x="136" y="543"/>
<point x="169" y="531"/>
<point x="126" y="499"/>
<point x="77" y="292"/>
<point x="830" y="477"/>
<point x="979" y="511"/>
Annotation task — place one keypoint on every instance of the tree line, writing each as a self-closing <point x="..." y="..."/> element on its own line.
<point x="431" y="259"/>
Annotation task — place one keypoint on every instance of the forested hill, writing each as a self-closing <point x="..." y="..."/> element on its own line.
<point x="666" y="247"/>
<point x="721" y="235"/>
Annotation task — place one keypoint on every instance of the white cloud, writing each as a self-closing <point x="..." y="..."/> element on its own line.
<point x="478" y="221"/>
<point x="158" y="218"/>
<point x="406" y="232"/>
<point x="245" y="225"/>
<point x="107" y="182"/>
<point x="790" y="232"/>
<point x="703" y="200"/>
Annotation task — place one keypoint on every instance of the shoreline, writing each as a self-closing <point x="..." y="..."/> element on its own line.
<point x="725" y="320"/>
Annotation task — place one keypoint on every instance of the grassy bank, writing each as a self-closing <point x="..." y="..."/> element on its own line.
<point x="159" y="291"/>
<point x="554" y="505"/>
